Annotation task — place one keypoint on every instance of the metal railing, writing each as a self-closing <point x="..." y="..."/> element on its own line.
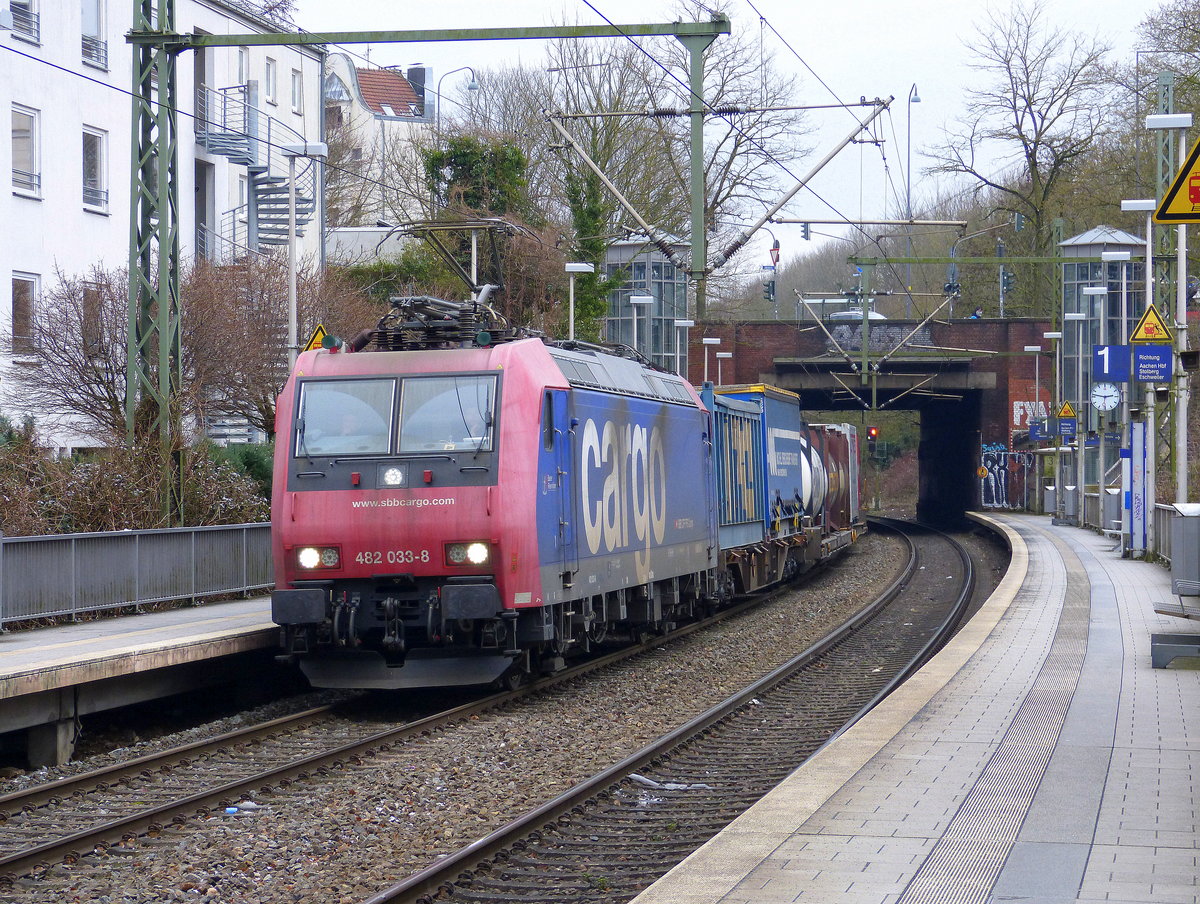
<point x="28" y="182"/>
<point x="95" y="197"/>
<point x="69" y="574"/>
<point x="95" y="51"/>
<point x="26" y="22"/>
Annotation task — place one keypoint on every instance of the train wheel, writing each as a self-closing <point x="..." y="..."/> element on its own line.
<point x="512" y="679"/>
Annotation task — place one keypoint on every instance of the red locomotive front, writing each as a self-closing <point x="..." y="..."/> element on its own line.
<point x="398" y="506"/>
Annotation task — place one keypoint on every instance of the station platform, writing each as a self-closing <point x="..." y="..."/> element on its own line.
<point x="49" y="677"/>
<point x="1040" y="757"/>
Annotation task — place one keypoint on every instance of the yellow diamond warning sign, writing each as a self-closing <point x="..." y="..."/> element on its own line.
<point x="1181" y="203"/>
<point x="1151" y="328"/>
<point x="314" y="341"/>
<point x="1066" y="410"/>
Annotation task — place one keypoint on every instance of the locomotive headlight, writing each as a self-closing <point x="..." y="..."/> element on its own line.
<point x="318" y="557"/>
<point x="473" y="553"/>
<point x="393" y="477"/>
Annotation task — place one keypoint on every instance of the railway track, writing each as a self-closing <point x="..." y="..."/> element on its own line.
<point x="63" y="821"/>
<point x="613" y="835"/>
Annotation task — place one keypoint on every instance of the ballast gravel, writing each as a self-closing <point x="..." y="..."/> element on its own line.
<point x="346" y="835"/>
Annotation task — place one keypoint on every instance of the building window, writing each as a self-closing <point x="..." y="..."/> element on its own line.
<point x="243" y="65"/>
<point x="26" y="22"/>
<point x="95" y="48"/>
<point x="297" y="91"/>
<point x="24" y="302"/>
<point x="95" y="191"/>
<point x="26" y="168"/>
<point x="269" y="81"/>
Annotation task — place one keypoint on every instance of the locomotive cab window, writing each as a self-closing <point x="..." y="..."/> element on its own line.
<point x="448" y="413"/>
<point x="345" y="417"/>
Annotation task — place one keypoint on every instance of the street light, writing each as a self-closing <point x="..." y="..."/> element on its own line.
<point x="573" y="269"/>
<point x="1080" y="318"/>
<point x="316" y="150"/>
<point x="913" y="98"/>
<point x="708" y="341"/>
<point x="1101" y="294"/>
<point x="721" y="356"/>
<point x="1181" y="122"/>
<point x="635" y="301"/>
<point x="681" y="346"/>
<point x="473" y="85"/>
<point x="1056" y="404"/>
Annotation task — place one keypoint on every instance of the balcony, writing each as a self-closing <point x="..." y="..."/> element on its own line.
<point x="95" y="197"/>
<point x="26" y="23"/>
<point x="95" y="52"/>
<point x="27" y="183"/>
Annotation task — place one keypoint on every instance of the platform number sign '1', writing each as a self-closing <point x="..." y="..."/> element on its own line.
<point x="1110" y="363"/>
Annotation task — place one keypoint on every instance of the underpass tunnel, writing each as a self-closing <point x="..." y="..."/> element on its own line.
<point x="948" y="458"/>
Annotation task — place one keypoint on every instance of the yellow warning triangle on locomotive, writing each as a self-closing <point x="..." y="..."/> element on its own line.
<point x="1181" y="203"/>
<point x="1151" y="328"/>
<point x="1066" y="410"/>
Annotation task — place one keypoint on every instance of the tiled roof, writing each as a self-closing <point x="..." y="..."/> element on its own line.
<point x="387" y="92"/>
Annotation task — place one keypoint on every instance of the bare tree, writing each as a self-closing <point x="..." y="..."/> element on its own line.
<point x="70" y="368"/>
<point x="1042" y="106"/>
<point x="350" y="189"/>
<point x="235" y="330"/>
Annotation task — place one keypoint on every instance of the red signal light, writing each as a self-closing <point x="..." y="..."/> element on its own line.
<point x="872" y="433"/>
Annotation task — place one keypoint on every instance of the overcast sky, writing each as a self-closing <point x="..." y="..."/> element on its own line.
<point x="874" y="48"/>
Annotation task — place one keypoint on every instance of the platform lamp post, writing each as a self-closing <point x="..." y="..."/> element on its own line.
<point x="1100" y="294"/>
<point x="1056" y="337"/>
<point x="1123" y="258"/>
<point x="1080" y="436"/>
<point x="708" y="341"/>
<point x="682" y="326"/>
<point x="635" y="302"/>
<point x="1181" y="122"/>
<point x="572" y="269"/>
<point x="913" y="98"/>
<point x="1036" y="351"/>
<point x="315" y="150"/>
<point x="722" y="356"/>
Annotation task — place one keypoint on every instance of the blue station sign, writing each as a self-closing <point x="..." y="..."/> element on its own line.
<point x="1153" y="363"/>
<point x="1110" y="363"/>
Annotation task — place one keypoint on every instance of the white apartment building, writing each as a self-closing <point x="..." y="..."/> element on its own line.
<point x="379" y="114"/>
<point x="66" y="73"/>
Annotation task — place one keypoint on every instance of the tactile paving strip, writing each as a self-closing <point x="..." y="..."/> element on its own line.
<point x="963" y="865"/>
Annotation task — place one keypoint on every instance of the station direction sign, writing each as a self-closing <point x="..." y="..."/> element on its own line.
<point x="1066" y="426"/>
<point x="1151" y="328"/>
<point x="1181" y="203"/>
<point x="1153" y="363"/>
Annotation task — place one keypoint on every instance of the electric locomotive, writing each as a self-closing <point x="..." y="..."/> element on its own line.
<point x="468" y="502"/>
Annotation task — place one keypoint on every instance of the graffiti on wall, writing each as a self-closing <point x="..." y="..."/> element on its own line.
<point x="1003" y="476"/>
<point x="882" y="337"/>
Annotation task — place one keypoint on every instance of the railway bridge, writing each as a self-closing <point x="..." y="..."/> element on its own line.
<point x="971" y="381"/>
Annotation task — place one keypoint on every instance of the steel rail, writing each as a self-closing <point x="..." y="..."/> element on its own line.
<point x="151" y="819"/>
<point x="437" y="877"/>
